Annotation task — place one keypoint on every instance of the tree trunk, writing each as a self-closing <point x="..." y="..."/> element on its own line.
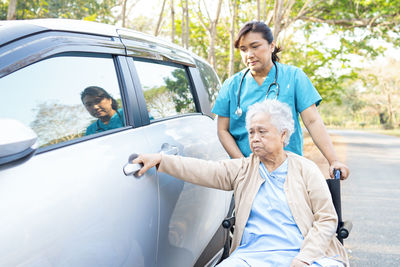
<point x="12" y="10"/>
<point x="158" y="27"/>
<point x="231" y="65"/>
<point x="183" y="23"/>
<point x="213" y="35"/>
<point x="264" y="10"/>
<point x="390" y="109"/>
<point x="173" y="30"/>
<point x="124" y="13"/>
<point x="187" y="24"/>
<point x="278" y="14"/>
<point x="258" y="10"/>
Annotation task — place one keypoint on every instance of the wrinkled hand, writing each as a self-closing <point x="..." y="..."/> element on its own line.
<point x="148" y="161"/>
<point x="298" y="263"/>
<point x="337" y="165"/>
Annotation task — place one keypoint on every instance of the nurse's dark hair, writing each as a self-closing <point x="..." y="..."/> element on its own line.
<point x="261" y="27"/>
<point x="99" y="92"/>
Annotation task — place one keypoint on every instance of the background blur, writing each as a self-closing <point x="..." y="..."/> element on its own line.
<point x="349" y="49"/>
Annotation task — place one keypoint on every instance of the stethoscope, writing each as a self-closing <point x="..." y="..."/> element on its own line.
<point x="100" y="129"/>
<point x="238" y="110"/>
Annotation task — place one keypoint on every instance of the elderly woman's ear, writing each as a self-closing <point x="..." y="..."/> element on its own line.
<point x="283" y="135"/>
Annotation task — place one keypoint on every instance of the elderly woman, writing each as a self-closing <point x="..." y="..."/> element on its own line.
<point x="101" y="105"/>
<point x="284" y="212"/>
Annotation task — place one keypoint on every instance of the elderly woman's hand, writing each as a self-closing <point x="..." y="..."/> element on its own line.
<point x="148" y="161"/>
<point x="298" y="263"/>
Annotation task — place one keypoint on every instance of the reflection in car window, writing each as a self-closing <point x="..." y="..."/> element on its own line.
<point x="46" y="96"/>
<point x="166" y="89"/>
<point x="101" y="105"/>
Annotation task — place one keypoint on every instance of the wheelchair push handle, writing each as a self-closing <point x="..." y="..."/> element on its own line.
<point x="336" y="173"/>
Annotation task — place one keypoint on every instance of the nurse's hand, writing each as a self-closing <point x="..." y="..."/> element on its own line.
<point x="337" y="165"/>
<point x="298" y="263"/>
<point x="226" y="139"/>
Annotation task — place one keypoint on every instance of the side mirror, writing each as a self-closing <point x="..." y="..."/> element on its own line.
<point x="17" y="141"/>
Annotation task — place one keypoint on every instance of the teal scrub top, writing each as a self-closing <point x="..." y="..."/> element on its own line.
<point x="116" y="121"/>
<point x="296" y="90"/>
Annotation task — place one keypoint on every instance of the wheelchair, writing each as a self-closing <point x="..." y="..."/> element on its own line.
<point x="344" y="227"/>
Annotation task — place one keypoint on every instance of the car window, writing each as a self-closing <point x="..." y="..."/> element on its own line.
<point x="210" y="80"/>
<point x="166" y="89"/>
<point x="46" y="96"/>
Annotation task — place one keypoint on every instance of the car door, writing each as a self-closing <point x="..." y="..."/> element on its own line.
<point x="71" y="204"/>
<point x="190" y="215"/>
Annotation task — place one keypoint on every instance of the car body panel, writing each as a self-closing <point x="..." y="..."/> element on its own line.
<point x="61" y="210"/>
<point x="185" y="234"/>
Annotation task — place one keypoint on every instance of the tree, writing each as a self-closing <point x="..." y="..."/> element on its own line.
<point x="179" y="86"/>
<point x="382" y="83"/>
<point x="73" y="9"/>
<point x="211" y="27"/>
<point x="233" y="13"/>
<point x="160" y="17"/>
<point x="158" y="101"/>
<point x="173" y="29"/>
<point x="56" y="122"/>
<point x="185" y="24"/>
<point x="12" y="8"/>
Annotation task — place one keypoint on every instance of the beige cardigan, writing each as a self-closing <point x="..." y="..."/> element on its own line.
<point x="306" y="191"/>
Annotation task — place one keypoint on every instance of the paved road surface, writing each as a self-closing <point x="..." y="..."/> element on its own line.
<point x="371" y="198"/>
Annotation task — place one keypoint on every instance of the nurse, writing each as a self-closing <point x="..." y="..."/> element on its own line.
<point x="265" y="78"/>
<point x="101" y="105"/>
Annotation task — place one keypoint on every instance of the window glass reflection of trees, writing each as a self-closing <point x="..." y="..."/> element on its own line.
<point x="166" y="89"/>
<point x="46" y="95"/>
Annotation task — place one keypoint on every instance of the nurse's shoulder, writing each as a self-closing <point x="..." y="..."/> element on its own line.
<point x="289" y="70"/>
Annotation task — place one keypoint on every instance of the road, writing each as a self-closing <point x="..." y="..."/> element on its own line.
<point x="371" y="198"/>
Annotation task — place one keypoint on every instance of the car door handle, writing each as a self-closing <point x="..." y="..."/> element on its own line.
<point x="130" y="168"/>
<point x="169" y="149"/>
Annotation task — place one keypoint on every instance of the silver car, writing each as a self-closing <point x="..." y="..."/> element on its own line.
<point x="65" y="197"/>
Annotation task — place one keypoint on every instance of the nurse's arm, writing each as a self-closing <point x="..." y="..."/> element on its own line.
<point x="226" y="139"/>
<point x="315" y="126"/>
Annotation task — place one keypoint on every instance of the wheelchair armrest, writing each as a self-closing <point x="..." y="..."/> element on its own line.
<point x="228" y="222"/>
<point x="344" y="231"/>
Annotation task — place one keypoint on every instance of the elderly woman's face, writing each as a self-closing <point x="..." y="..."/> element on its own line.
<point x="264" y="138"/>
<point x="98" y="107"/>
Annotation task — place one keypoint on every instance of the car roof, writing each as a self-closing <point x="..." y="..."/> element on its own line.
<point x="11" y="30"/>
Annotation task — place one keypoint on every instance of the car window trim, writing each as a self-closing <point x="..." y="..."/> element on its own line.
<point x="34" y="48"/>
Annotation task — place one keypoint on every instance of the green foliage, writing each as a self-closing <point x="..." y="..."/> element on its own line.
<point x="153" y="93"/>
<point x="3" y="10"/>
<point x="93" y="10"/>
<point x="179" y="86"/>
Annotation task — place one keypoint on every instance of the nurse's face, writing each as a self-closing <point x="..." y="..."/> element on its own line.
<point x="256" y="52"/>
<point x="99" y="107"/>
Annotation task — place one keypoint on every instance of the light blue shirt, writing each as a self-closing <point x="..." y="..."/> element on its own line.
<point x="116" y="121"/>
<point x="296" y="90"/>
<point x="271" y="236"/>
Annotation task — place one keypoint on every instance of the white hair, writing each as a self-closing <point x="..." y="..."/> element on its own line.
<point x="280" y="114"/>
